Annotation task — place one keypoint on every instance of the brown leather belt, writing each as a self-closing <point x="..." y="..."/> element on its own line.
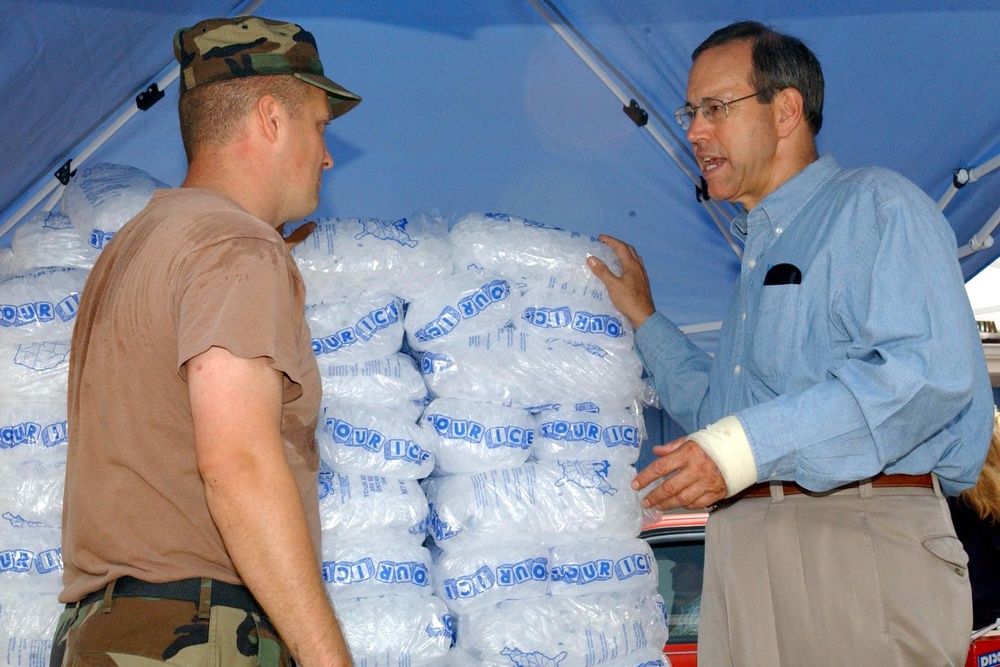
<point x="881" y="480"/>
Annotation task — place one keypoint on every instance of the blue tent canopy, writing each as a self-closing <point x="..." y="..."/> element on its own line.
<point x="486" y="107"/>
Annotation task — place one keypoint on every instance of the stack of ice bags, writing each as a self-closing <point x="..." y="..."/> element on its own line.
<point x="45" y="270"/>
<point x="37" y="310"/>
<point x="32" y="460"/>
<point x="535" y="391"/>
<point x="373" y="511"/>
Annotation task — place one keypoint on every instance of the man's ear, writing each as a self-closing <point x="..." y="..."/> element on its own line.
<point x="789" y="107"/>
<point x="267" y="116"/>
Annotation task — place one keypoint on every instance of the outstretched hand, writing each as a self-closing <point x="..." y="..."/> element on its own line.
<point x="299" y="235"/>
<point x="694" y="481"/>
<point x="630" y="292"/>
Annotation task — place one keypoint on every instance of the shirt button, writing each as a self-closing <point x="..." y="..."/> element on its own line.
<point x="736" y="369"/>
<point x="753" y="263"/>
<point x="744" y="316"/>
<point x="778" y="231"/>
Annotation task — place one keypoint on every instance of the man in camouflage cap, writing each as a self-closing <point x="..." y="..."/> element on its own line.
<point x="191" y="518"/>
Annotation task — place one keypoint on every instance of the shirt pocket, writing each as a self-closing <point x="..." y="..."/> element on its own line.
<point x="776" y="329"/>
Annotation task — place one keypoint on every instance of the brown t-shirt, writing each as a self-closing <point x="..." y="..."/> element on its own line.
<point x="191" y="271"/>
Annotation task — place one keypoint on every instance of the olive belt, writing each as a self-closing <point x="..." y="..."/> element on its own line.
<point x="204" y="593"/>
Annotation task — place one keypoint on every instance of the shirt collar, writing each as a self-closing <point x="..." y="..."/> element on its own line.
<point x="781" y="206"/>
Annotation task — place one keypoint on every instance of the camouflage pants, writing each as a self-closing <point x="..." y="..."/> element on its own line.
<point x="144" y="632"/>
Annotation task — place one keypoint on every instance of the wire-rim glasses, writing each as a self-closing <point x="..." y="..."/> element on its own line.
<point x="713" y="109"/>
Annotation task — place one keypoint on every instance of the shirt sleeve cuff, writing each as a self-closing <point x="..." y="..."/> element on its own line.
<point x="726" y="443"/>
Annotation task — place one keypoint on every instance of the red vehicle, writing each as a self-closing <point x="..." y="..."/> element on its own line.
<point x="678" y="542"/>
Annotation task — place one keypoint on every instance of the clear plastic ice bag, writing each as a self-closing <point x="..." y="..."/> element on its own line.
<point x="460" y="305"/>
<point x="357" y="329"/>
<point x="479" y="576"/>
<point x="40" y="304"/>
<point x="7" y="264"/>
<point x="366" y="567"/>
<point x="101" y="198"/>
<point x="615" y="435"/>
<point x="30" y="559"/>
<point x="391" y="383"/>
<point x="609" y="565"/>
<point x="512" y="367"/>
<point x="353" y="505"/>
<point x="544" y="501"/>
<point x="37" y="370"/>
<point x="31" y="493"/>
<point x="33" y="429"/>
<point x="528" y="253"/>
<point x="584" y="318"/>
<point x="347" y="256"/>
<point x="49" y="238"/>
<point x="393" y="631"/>
<point x="588" y="630"/>
<point x="472" y="436"/>
<point x="27" y="626"/>
<point x="375" y="441"/>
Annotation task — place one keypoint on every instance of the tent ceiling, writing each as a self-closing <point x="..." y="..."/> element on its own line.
<point x="481" y="106"/>
<point x="65" y="66"/>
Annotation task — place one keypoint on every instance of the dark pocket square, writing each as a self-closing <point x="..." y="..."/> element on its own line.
<point x="783" y="274"/>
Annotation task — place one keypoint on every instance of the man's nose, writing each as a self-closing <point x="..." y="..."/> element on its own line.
<point x="699" y="127"/>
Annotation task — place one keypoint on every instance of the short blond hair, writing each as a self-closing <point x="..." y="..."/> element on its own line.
<point x="213" y="114"/>
<point x="984" y="497"/>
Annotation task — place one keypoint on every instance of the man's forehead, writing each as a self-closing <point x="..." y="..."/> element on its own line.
<point x="720" y="70"/>
<point x="318" y="99"/>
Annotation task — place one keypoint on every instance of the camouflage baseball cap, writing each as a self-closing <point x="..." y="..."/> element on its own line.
<point x="220" y="49"/>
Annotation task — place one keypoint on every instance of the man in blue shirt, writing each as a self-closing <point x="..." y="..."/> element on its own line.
<point x="848" y="392"/>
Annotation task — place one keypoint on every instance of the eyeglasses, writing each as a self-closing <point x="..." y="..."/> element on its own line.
<point x="712" y="109"/>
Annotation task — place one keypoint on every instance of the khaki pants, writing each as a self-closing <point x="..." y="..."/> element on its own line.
<point x="860" y="577"/>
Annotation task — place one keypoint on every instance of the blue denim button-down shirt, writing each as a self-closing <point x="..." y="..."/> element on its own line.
<point x="872" y="363"/>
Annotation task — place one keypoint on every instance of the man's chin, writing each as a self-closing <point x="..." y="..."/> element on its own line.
<point x="309" y="207"/>
<point x="717" y="190"/>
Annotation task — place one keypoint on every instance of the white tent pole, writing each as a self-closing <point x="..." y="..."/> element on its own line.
<point x="720" y="221"/>
<point x="27" y="207"/>
<point x="947" y="197"/>
<point x="54" y="199"/>
<point x="982" y="239"/>
<point x="169" y="74"/>
<point x="986" y="309"/>
<point x="87" y="151"/>
<point x="616" y="90"/>
<point x="608" y="82"/>
<point x="965" y="176"/>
